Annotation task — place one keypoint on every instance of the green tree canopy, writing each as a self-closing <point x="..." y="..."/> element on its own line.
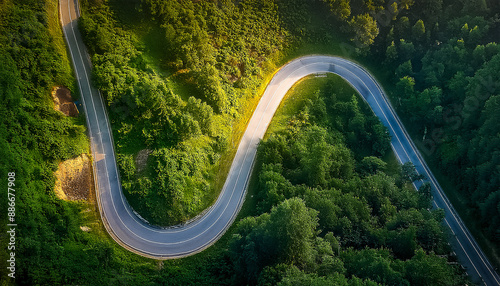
<point x="365" y="30"/>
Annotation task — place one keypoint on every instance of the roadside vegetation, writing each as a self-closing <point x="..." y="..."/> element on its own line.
<point x="186" y="95"/>
<point x="441" y="63"/>
<point x="34" y="138"/>
<point x="327" y="203"/>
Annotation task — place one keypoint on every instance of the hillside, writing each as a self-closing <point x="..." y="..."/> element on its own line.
<point x="328" y="203"/>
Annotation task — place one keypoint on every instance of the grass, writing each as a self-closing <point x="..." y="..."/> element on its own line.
<point x="295" y="100"/>
<point x="54" y="26"/>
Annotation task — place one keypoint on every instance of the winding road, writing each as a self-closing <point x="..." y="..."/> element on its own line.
<point x="133" y="233"/>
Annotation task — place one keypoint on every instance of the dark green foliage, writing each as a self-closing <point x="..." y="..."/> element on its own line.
<point x="377" y="264"/>
<point x="446" y="62"/>
<point x="285" y="235"/>
<point x="296" y="277"/>
<point x="370" y="165"/>
<point x="425" y="269"/>
<point x="409" y="173"/>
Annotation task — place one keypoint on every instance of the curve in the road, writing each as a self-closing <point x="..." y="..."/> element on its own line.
<point x="135" y="234"/>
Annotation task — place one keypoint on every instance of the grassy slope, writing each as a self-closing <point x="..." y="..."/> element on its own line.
<point x="55" y="30"/>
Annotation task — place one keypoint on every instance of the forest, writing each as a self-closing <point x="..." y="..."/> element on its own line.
<point x="446" y="90"/>
<point x="33" y="139"/>
<point x="186" y="125"/>
<point x="181" y="78"/>
<point x="440" y="72"/>
<point x="330" y="212"/>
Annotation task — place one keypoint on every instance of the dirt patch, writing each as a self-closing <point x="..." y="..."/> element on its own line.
<point x="141" y="160"/>
<point x="74" y="179"/>
<point x="63" y="101"/>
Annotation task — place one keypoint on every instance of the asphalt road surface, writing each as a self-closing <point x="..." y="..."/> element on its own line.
<point x="136" y="235"/>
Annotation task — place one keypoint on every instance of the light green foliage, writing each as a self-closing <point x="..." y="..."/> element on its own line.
<point x="405" y="87"/>
<point x="365" y="30"/>
<point x="317" y="162"/>
<point x="406" y="4"/>
<point x="217" y="50"/>
<point x="418" y="30"/>
<point x="340" y="8"/>
<point x="50" y="248"/>
<point x="180" y="185"/>
<point x="274" y="187"/>
<point x="127" y="165"/>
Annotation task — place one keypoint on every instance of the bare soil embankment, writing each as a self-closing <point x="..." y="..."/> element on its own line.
<point x="63" y="101"/>
<point x="74" y="179"/>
